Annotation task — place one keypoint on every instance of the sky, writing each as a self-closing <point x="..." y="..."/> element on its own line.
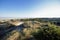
<point x="30" y="8"/>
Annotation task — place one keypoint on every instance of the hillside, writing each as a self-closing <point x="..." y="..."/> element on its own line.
<point x="30" y="29"/>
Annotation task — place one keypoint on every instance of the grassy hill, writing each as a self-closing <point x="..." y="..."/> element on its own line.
<point x="34" y="29"/>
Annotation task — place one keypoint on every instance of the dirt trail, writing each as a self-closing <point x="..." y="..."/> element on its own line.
<point x="14" y="36"/>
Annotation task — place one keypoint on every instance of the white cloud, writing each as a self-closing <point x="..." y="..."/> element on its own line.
<point x="47" y="11"/>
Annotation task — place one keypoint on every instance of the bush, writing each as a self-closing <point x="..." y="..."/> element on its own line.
<point x="46" y="33"/>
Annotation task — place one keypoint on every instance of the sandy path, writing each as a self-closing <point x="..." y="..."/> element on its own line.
<point x="14" y="36"/>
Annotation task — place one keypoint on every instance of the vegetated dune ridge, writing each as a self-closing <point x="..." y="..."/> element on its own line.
<point x="31" y="29"/>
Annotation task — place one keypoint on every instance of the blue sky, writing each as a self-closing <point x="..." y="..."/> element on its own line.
<point x="29" y="8"/>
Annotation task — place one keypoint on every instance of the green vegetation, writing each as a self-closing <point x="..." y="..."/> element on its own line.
<point x="35" y="29"/>
<point x="50" y="32"/>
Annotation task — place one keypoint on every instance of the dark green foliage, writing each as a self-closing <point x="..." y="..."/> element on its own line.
<point x="46" y="33"/>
